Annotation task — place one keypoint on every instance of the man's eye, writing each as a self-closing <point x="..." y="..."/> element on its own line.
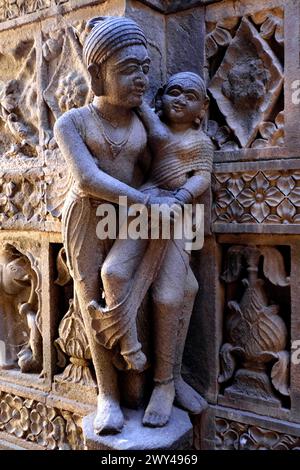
<point x="129" y="70"/>
<point x="174" y="93"/>
<point x="146" y="69"/>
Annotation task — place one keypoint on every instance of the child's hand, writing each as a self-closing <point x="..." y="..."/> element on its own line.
<point x="143" y="109"/>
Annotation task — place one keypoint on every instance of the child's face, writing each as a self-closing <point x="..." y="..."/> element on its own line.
<point x="182" y="102"/>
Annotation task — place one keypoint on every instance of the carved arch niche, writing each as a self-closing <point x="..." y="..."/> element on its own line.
<point x="20" y="310"/>
<point x="255" y="351"/>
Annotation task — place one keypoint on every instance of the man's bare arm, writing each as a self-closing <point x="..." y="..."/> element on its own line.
<point x="90" y="179"/>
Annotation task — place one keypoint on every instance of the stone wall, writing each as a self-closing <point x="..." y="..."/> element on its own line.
<point x="246" y="318"/>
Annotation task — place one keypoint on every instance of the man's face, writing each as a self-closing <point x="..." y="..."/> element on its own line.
<point x="126" y="76"/>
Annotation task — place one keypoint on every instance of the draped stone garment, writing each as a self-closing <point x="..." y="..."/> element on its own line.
<point x="112" y="324"/>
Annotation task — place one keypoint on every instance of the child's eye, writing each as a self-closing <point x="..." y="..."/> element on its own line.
<point x="191" y="97"/>
<point x="146" y="69"/>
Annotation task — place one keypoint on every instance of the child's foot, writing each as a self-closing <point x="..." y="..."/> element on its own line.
<point x="187" y="398"/>
<point x="159" y="410"/>
<point x="136" y="361"/>
<point x="93" y="307"/>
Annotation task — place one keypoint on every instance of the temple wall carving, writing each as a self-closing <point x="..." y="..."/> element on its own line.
<point x="238" y="354"/>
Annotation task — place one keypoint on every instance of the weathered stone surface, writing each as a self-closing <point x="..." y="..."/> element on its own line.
<point x="248" y="53"/>
<point x="177" y="434"/>
<point x="168" y="6"/>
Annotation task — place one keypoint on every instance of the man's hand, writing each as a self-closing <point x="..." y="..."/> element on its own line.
<point x="164" y="208"/>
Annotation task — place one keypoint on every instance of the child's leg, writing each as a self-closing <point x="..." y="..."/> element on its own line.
<point x="185" y="396"/>
<point x="131" y="351"/>
<point x="168" y="296"/>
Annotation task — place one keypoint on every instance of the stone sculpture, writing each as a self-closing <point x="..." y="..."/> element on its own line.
<point x="181" y="167"/>
<point x="105" y="146"/>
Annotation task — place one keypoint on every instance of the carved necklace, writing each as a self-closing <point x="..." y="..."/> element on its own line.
<point x="115" y="147"/>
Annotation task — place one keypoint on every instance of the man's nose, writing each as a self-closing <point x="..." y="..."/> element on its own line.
<point x="140" y="78"/>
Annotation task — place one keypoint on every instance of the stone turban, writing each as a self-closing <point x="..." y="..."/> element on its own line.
<point x="108" y="35"/>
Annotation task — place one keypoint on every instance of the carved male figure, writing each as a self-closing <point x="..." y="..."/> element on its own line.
<point x="104" y="146"/>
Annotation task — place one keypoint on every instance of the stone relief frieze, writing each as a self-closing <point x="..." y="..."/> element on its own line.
<point x="245" y="61"/>
<point x="18" y="105"/>
<point x="22" y="198"/>
<point x="270" y="197"/>
<point x="21" y="320"/>
<point x="231" y="435"/>
<point x="67" y="88"/>
<point x="35" y="422"/>
<point x="10" y="9"/>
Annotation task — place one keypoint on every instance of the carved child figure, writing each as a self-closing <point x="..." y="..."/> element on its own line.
<point x="181" y="169"/>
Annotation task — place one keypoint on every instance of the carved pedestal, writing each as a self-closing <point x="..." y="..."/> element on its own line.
<point x="176" y="435"/>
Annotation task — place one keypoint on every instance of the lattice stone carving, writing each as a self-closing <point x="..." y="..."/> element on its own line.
<point x="231" y="435"/>
<point x="36" y="422"/>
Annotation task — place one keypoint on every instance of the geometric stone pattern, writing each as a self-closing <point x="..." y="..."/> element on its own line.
<point x="231" y="435"/>
<point x="35" y="422"/>
<point x="269" y="197"/>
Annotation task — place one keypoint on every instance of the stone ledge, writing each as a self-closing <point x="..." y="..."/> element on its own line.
<point x="177" y="434"/>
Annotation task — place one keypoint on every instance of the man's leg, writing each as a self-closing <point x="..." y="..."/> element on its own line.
<point x="90" y="256"/>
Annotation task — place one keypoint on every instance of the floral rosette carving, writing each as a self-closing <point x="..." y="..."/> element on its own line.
<point x="271" y="197"/>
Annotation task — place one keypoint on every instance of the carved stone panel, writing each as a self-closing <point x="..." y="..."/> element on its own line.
<point x="254" y="355"/>
<point x="245" y="63"/>
<point x="19" y="117"/>
<point x="231" y="435"/>
<point x="21" y="322"/>
<point x="38" y="423"/>
<point x="255" y="197"/>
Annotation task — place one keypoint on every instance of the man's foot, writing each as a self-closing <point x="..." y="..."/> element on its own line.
<point x="159" y="410"/>
<point x="109" y="417"/>
<point x="187" y="398"/>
